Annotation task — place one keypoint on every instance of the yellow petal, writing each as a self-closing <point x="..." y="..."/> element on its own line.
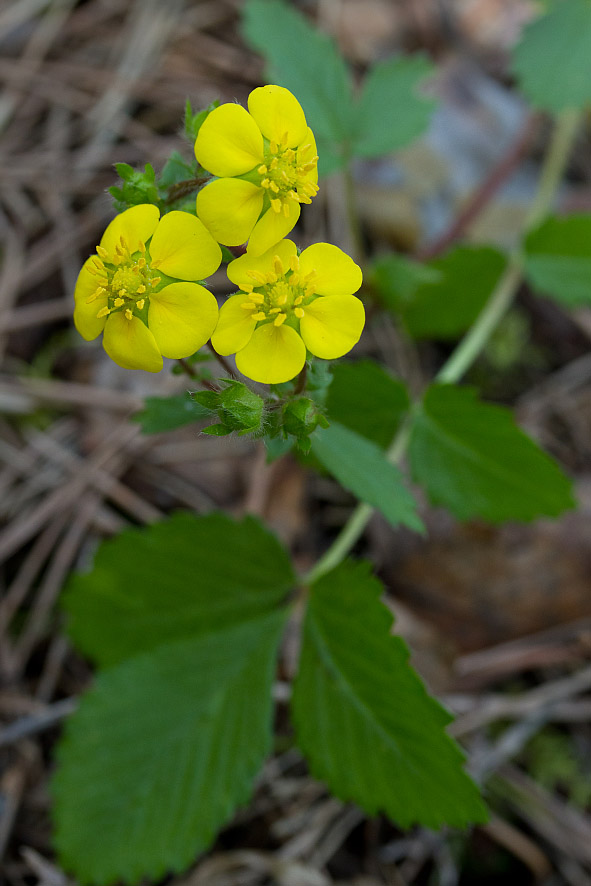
<point x="130" y="344"/>
<point x="273" y="355"/>
<point x="229" y="142"/>
<point x="235" y="326"/>
<point x="336" y="272"/>
<point x="85" y="319"/>
<point x="271" y="228"/>
<point x="229" y="208"/>
<point x="135" y="224"/>
<point x="330" y="327"/>
<point x="239" y="268"/>
<point x="182" y="247"/>
<point x="277" y="113"/>
<point x="305" y="156"/>
<point x="181" y="318"/>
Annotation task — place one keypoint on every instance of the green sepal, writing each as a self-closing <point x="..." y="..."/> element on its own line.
<point x="136" y="188"/>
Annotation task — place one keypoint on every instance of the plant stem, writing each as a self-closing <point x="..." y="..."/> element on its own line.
<point x="478" y="335"/>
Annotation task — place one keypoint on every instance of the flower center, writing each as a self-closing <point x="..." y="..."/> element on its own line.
<point x="288" y="174"/>
<point x="124" y="277"/>
<point x="279" y="295"/>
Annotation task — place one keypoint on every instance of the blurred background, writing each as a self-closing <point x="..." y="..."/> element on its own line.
<point x="499" y="620"/>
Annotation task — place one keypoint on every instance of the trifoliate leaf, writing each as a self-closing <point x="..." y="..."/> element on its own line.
<point x="363" y="718"/>
<point x="552" y="62"/>
<point x="558" y="259"/>
<point x="361" y="467"/>
<point x="162" y="751"/>
<point x="184" y="577"/>
<point x="472" y="458"/>
<point x="391" y="112"/>
<point x="366" y="399"/>
<point x="166" y="413"/>
<point x="448" y="303"/>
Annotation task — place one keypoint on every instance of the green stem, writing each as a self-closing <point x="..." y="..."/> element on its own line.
<point x="478" y="335"/>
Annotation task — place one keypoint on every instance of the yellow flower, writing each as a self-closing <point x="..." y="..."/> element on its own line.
<point x="288" y="303"/>
<point x="132" y="288"/>
<point x="266" y="163"/>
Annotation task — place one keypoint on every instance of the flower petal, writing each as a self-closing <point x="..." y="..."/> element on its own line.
<point x="135" y="224"/>
<point x="229" y="208"/>
<point x="130" y="344"/>
<point x="272" y="227"/>
<point x="85" y="319"/>
<point x="306" y="152"/>
<point x="278" y="112"/>
<point x="273" y="355"/>
<point x="182" y="247"/>
<point x="331" y="326"/>
<point x="336" y="272"/>
<point x="239" y="268"/>
<point x="181" y="317"/>
<point x="235" y="326"/>
<point x="229" y="141"/>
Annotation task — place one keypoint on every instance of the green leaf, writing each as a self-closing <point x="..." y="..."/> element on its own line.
<point x="166" y="413"/>
<point x="447" y="304"/>
<point x="396" y="279"/>
<point x="161" y="752"/>
<point x="553" y="59"/>
<point x="474" y="460"/>
<point x="558" y="259"/>
<point x="184" y="577"/>
<point x="363" y="718"/>
<point x="391" y="112"/>
<point x="361" y="467"/>
<point x="176" y="169"/>
<point x="307" y="63"/>
<point x="366" y="399"/>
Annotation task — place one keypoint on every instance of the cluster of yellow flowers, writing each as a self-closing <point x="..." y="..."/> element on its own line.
<point x="140" y="287"/>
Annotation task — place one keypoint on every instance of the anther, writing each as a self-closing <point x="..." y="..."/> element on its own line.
<point x="103" y="312"/>
<point x="140" y="303"/>
<point x="271" y="277"/>
<point x="286" y="209"/>
<point x="247" y="287"/>
<point x="129" y="314"/>
<point x="266" y="183"/>
<point x="102" y="252"/>
<point x="273" y="147"/>
<point x="141" y="246"/>
<point x="155" y="281"/>
<point x="279" y="319"/>
<point x="141" y="288"/>
<point x="299" y="300"/>
<point x="278" y="265"/>
<point x="294" y="279"/>
<point x="274" y="187"/>
<point x="118" y="302"/>
<point x="276" y="205"/>
<point x="274" y="310"/>
<point x="262" y="169"/>
<point x="257" y="277"/>
<point x="294" y="262"/>
<point x="122" y="292"/>
<point x="299" y="312"/>
<point x="96" y="294"/>
<point x="260" y="316"/>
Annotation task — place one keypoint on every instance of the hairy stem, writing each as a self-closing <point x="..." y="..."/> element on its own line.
<point x="477" y="336"/>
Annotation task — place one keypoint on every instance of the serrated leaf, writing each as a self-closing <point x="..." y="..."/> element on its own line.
<point x="184" y="577"/>
<point x="176" y="169"/>
<point x="366" y="399"/>
<point x="472" y="458"/>
<point x="307" y="63"/>
<point x="166" y="413"/>
<point x="558" y="259"/>
<point x="553" y="59"/>
<point x="161" y="752"/>
<point x="361" y="467"/>
<point x="363" y="717"/>
<point x="391" y="112"/>
<point x="447" y="304"/>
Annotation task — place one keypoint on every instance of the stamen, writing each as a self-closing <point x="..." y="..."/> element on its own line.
<point x="271" y="277"/>
<point x="102" y="252"/>
<point x="294" y="262"/>
<point x="299" y="300"/>
<point x="278" y="265"/>
<point x="260" y="316"/>
<point x="141" y="288"/>
<point x="273" y="147"/>
<point x="140" y="304"/>
<point x="262" y="169"/>
<point x="247" y="287"/>
<point x="276" y="205"/>
<point x="274" y="310"/>
<point x="248" y="305"/>
<point x="274" y="187"/>
<point x="266" y="183"/>
<point x="286" y="209"/>
<point x="281" y="318"/>
<point x="103" y="312"/>
<point x="299" y="312"/>
<point x="155" y="281"/>
<point x="257" y="277"/>
<point x="257" y="298"/>
<point x="96" y="294"/>
<point x="129" y="314"/>
<point x="294" y="279"/>
<point x="118" y="302"/>
<point x="141" y="246"/>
